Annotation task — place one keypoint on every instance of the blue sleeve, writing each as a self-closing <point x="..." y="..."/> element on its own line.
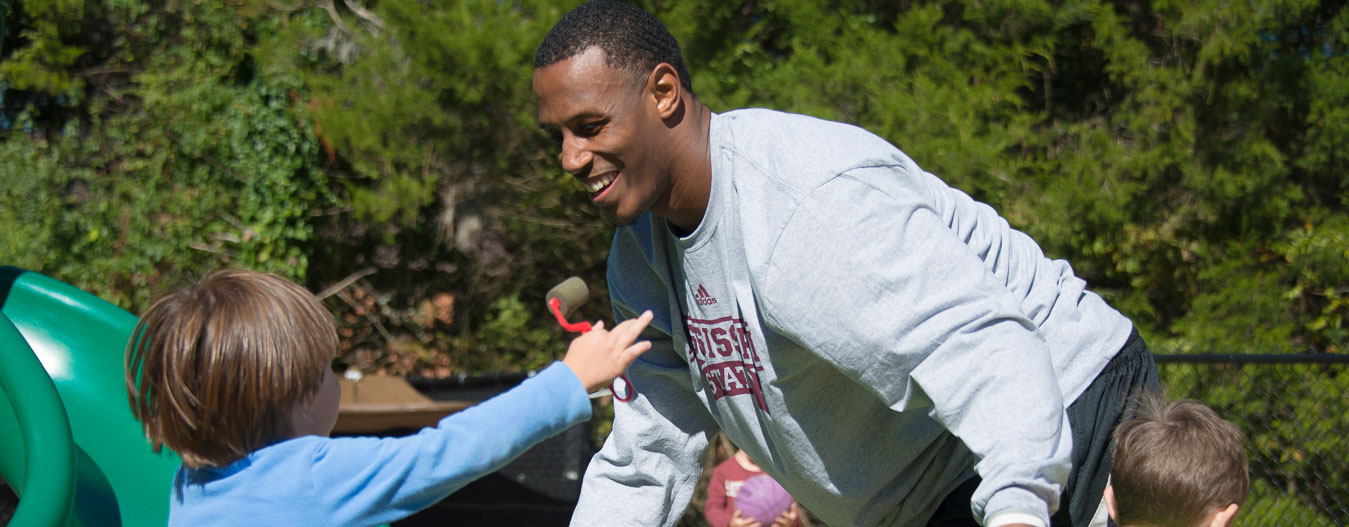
<point x="369" y="481"/>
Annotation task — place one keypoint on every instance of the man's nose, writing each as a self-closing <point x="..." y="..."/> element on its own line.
<point x="575" y="157"/>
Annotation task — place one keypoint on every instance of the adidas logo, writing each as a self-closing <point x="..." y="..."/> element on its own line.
<point x="702" y="298"/>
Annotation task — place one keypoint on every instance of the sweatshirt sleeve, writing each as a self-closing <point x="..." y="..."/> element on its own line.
<point x="648" y="468"/>
<point x="369" y="481"/>
<point x="906" y="309"/>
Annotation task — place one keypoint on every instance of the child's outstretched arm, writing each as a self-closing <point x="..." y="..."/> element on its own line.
<point x="368" y="481"/>
<point x="599" y="356"/>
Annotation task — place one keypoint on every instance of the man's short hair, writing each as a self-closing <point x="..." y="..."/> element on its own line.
<point x="1175" y="463"/>
<point x="633" y="40"/>
<point x="215" y="370"/>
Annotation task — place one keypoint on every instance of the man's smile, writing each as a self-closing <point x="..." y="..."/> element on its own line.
<point x="598" y="185"/>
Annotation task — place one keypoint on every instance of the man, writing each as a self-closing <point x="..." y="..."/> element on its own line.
<point x="888" y="349"/>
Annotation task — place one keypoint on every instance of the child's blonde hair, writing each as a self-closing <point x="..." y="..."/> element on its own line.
<point x="215" y="371"/>
<point x="1175" y="463"/>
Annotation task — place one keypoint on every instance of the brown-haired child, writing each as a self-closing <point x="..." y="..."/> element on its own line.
<point x="1176" y="464"/>
<point x="234" y="374"/>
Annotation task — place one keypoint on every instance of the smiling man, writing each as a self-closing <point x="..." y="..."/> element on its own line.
<point x="890" y="350"/>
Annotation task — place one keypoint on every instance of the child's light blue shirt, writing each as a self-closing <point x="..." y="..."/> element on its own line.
<point x="357" y="481"/>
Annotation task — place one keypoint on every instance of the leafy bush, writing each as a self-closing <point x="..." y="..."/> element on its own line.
<point x="172" y="156"/>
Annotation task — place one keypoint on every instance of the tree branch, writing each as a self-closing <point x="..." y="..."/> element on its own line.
<point x="343" y="283"/>
<point x="365" y="14"/>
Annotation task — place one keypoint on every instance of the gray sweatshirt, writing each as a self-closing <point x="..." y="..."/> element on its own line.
<point x="869" y="335"/>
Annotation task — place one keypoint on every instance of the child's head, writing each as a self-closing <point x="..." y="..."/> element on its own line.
<point x="1177" y="464"/>
<point x="236" y="362"/>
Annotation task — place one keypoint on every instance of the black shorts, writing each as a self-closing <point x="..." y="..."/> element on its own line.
<point x="1093" y="417"/>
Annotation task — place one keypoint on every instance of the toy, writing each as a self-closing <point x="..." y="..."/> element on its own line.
<point x="762" y="499"/>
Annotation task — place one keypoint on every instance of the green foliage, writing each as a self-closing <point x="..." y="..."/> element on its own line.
<point x="186" y="161"/>
<point x="1159" y="148"/>
<point x="23" y="202"/>
<point x="941" y="92"/>
<point x="1316" y="259"/>
<point x="44" y="65"/>
<point x="510" y="340"/>
<point x="1185" y="157"/>
<point x="1268" y="506"/>
<point x="427" y="120"/>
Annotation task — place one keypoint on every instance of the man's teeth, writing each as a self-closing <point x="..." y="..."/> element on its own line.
<point x="599" y="184"/>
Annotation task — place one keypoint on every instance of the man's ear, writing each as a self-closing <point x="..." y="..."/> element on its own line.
<point x="664" y="89"/>
<point x="1223" y="518"/>
<point x="1110" y="502"/>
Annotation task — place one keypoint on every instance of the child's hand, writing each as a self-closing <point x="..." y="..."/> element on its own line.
<point x="598" y="356"/>
<point x="737" y="520"/>
<point x="788" y="519"/>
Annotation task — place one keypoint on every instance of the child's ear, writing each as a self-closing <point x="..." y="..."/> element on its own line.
<point x="1110" y="502"/>
<point x="1223" y="518"/>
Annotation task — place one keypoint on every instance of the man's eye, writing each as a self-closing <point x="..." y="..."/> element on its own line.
<point x="590" y="129"/>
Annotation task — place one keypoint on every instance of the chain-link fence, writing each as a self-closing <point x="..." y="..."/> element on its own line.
<point x="1294" y="410"/>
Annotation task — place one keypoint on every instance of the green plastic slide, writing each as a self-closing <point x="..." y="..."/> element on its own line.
<point x="41" y="464"/>
<point x="72" y="451"/>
